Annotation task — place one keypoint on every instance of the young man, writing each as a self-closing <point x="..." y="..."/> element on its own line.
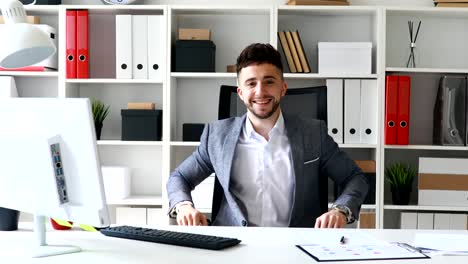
<point x="268" y="163"/>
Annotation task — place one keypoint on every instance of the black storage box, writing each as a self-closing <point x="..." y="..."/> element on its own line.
<point x="195" y="56"/>
<point x="141" y="125"/>
<point x="192" y="131"/>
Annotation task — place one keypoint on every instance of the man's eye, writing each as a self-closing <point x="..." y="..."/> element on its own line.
<point x="252" y="84"/>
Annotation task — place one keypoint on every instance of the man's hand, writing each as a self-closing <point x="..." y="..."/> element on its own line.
<point x="331" y="219"/>
<point x="189" y="216"/>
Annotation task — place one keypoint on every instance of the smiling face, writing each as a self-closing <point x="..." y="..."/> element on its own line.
<point x="261" y="87"/>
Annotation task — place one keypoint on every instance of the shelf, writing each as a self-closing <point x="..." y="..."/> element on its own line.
<point x="128" y="143"/>
<point x="426" y="147"/>
<point x="48" y="74"/>
<point x="114" y="81"/>
<point x="365" y="146"/>
<point x="328" y="76"/>
<point x="326" y="10"/>
<point x="204" y="74"/>
<point x="138" y="200"/>
<point x="426" y="70"/>
<point x="364" y="206"/>
<point x="425" y="208"/>
<point x="118" y="9"/>
<point x="184" y="144"/>
<point x="220" y="10"/>
<point x="32" y="10"/>
<point x="442" y="12"/>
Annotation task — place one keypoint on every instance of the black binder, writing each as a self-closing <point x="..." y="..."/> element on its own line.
<point x="450" y="112"/>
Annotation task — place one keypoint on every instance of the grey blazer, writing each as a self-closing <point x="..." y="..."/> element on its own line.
<point x="314" y="153"/>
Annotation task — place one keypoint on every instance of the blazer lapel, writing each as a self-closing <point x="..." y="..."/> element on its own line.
<point x="296" y="142"/>
<point x="228" y="149"/>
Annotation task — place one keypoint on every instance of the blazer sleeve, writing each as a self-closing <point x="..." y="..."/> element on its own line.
<point x="344" y="171"/>
<point x="191" y="172"/>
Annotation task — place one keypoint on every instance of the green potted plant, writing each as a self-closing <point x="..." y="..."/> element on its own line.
<point x="100" y="112"/>
<point x="400" y="177"/>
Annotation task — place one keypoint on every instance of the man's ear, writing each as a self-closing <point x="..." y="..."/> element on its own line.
<point x="239" y="93"/>
<point x="284" y="89"/>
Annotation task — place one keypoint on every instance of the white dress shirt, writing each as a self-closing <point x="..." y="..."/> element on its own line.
<point x="262" y="178"/>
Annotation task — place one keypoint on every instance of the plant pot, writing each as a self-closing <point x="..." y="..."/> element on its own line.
<point x="401" y="195"/>
<point x="8" y="219"/>
<point x="98" y="127"/>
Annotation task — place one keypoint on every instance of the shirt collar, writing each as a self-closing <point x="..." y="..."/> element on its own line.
<point x="278" y="127"/>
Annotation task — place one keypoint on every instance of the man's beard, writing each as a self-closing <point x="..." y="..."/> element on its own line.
<point x="267" y="114"/>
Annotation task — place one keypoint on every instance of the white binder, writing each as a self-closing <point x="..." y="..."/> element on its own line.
<point x="123" y="46"/>
<point x="156" y="47"/>
<point x="140" y="46"/>
<point x="335" y="109"/>
<point x="425" y="221"/>
<point x="352" y="111"/>
<point x="369" y="111"/>
<point x="8" y="87"/>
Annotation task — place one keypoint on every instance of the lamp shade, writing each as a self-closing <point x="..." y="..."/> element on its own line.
<point x="24" y="45"/>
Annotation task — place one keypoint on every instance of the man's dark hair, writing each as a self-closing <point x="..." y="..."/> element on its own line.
<point x="259" y="53"/>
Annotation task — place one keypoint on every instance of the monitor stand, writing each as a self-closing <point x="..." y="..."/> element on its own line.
<point x="41" y="249"/>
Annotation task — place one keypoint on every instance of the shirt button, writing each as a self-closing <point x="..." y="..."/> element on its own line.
<point x="244" y="223"/>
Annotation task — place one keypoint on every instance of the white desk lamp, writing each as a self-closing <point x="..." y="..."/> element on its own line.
<point x="22" y="44"/>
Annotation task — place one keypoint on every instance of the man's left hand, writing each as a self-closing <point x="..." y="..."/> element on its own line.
<point x="331" y="219"/>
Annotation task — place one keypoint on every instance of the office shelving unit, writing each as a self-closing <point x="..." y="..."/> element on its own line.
<point x="191" y="97"/>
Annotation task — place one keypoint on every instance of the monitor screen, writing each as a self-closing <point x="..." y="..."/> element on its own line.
<point x="307" y="102"/>
<point x="50" y="164"/>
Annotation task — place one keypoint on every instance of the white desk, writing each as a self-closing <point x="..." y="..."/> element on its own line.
<point x="259" y="245"/>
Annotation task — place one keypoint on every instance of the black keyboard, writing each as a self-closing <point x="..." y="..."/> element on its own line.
<point x="170" y="237"/>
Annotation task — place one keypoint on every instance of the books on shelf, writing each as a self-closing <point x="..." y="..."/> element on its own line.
<point x="294" y="51"/>
<point x="318" y="2"/>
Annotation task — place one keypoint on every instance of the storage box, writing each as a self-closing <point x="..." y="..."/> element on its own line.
<point x="345" y="57"/>
<point x="194" y="34"/>
<point x="443" y="181"/>
<point x="116" y="182"/>
<point x="195" y="56"/>
<point x="141" y="125"/>
<point x="192" y="131"/>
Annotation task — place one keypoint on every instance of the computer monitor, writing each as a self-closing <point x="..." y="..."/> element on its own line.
<point x="307" y="102"/>
<point x="50" y="165"/>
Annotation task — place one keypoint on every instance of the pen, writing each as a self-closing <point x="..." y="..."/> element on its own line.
<point x="343" y="240"/>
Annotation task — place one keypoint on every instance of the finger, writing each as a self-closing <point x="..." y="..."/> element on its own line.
<point x="317" y="223"/>
<point x="191" y="220"/>
<point x="331" y="222"/>
<point x="203" y="220"/>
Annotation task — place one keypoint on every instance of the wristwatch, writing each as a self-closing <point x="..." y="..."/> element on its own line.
<point x="344" y="210"/>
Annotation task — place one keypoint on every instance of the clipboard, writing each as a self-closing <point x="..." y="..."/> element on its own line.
<point x="350" y="252"/>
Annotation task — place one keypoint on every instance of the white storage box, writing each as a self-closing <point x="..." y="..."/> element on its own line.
<point x="345" y="57"/>
<point x="443" y="181"/>
<point x="116" y="182"/>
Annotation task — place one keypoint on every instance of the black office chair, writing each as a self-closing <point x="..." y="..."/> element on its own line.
<point x="310" y="101"/>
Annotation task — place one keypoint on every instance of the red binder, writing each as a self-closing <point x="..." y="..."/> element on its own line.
<point x="82" y="62"/>
<point x="403" y="110"/>
<point x="71" y="44"/>
<point x="391" y="106"/>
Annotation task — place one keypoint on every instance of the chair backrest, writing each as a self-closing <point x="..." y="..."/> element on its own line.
<point x="309" y="102"/>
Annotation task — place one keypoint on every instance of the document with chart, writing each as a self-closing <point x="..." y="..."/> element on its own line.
<point x="357" y="246"/>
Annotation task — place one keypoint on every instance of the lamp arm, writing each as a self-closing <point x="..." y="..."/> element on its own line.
<point x="13" y="11"/>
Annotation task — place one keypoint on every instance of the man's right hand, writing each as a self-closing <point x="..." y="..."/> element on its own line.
<point x="189" y="216"/>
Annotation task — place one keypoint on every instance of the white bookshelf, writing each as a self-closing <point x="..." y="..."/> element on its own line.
<point x="191" y="97"/>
